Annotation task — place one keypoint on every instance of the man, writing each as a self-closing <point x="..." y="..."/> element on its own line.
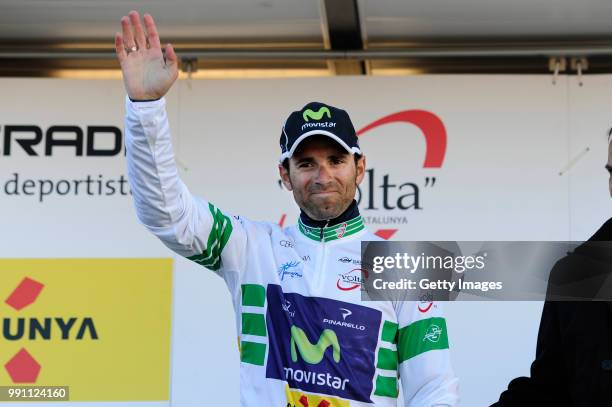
<point x="573" y="365"/>
<point x="304" y="341"/>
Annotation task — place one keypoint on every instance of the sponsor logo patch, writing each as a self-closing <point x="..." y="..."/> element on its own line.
<point x="289" y="270"/>
<point x="301" y="399"/>
<point x="425" y="303"/>
<point x="286" y="243"/>
<point x="321" y="345"/>
<point x="351" y="280"/>
<point x="433" y="334"/>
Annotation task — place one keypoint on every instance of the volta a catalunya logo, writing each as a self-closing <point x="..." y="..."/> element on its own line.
<point x="23" y="367"/>
<point x="313" y="353"/>
<point x="433" y="130"/>
<point x="430" y="125"/>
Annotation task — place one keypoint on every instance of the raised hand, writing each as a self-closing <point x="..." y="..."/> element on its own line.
<point x="146" y="73"/>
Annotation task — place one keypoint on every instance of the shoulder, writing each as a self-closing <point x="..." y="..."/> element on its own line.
<point x="604" y="233"/>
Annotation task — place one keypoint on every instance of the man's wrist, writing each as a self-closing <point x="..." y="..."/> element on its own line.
<point x="143" y="100"/>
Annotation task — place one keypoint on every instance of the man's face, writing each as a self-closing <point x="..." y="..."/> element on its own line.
<point x="609" y="165"/>
<point x="323" y="177"/>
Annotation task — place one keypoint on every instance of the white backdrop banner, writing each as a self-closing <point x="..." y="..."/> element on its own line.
<point x="470" y="157"/>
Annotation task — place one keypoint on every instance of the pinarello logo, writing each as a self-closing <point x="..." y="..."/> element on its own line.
<point x="22" y="367"/>
<point x="350" y="280"/>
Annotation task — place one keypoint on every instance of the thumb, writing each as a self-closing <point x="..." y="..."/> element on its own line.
<point x="171" y="58"/>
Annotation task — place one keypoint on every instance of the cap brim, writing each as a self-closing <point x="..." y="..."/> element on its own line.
<point x="288" y="154"/>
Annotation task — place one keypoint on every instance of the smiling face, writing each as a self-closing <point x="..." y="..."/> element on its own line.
<point x="323" y="177"/>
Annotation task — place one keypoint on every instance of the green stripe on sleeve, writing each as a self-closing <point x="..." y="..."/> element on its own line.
<point x="253" y="295"/>
<point x="253" y="353"/>
<point x="253" y="324"/>
<point x="225" y="227"/>
<point x="389" y="331"/>
<point x="387" y="359"/>
<point x="422" y="336"/>
<point x="220" y="233"/>
<point x="386" y="387"/>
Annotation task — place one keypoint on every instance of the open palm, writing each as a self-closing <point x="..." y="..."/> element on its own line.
<point x="147" y="74"/>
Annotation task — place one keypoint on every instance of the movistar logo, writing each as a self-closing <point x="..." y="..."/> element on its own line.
<point x="318" y="115"/>
<point x="313" y="353"/>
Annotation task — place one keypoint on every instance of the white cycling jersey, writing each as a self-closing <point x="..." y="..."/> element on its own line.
<point x="306" y="337"/>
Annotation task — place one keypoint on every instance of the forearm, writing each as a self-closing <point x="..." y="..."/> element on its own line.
<point x="433" y="382"/>
<point x="162" y="202"/>
<point x="425" y="368"/>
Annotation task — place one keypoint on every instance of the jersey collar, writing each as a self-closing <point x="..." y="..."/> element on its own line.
<point x="347" y="224"/>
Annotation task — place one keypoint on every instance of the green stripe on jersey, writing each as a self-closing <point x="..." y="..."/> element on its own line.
<point x="253" y="295"/>
<point x="389" y="332"/>
<point x="253" y="353"/>
<point x="253" y="324"/>
<point x="386" y="387"/>
<point x="422" y="336"/>
<point x="335" y="232"/>
<point x="387" y="359"/>
<point x="220" y="233"/>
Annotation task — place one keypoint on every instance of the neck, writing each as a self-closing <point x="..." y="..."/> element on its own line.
<point x="350" y="213"/>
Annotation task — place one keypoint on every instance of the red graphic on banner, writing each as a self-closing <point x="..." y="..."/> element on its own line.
<point x="25" y="294"/>
<point x="23" y="368"/>
<point x="385" y="233"/>
<point x="432" y="127"/>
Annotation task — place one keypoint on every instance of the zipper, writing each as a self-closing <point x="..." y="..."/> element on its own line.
<point x="321" y="262"/>
<point x="322" y="229"/>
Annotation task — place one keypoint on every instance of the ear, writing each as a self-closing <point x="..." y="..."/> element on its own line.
<point x="361" y="166"/>
<point x="284" y="175"/>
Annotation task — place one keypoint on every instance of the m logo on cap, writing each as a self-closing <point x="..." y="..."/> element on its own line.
<point x="318" y="115"/>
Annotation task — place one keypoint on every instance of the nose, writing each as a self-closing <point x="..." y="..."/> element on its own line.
<point x="324" y="174"/>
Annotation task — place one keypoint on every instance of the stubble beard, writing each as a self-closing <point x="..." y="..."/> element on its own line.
<point x="327" y="211"/>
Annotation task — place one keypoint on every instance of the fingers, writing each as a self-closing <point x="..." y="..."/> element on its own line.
<point x="128" y="38"/>
<point x="139" y="36"/>
<point x="171" y="58"/>
<point x="120" y="48"/>
<point x="152" y="35"/>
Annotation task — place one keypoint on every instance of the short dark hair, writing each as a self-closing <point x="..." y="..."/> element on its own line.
<point x="356" y="157"/>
